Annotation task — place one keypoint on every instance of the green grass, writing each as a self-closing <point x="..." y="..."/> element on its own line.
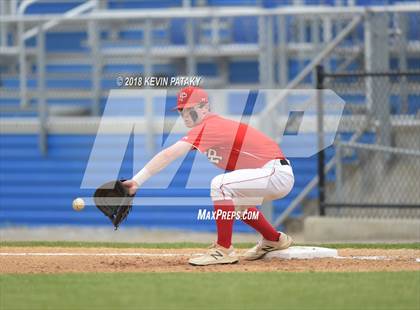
<point x="275" y="290"/>
<point x="180" y="245"/>
<point x="377" y="290"/>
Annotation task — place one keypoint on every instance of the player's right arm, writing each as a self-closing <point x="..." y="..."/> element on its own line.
<point x="157" y="163"/>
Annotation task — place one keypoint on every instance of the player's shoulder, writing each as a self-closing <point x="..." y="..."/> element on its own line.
<point x="217" y="120"/>
<point x="213" y="124"/>
<point x="225" y="126"/>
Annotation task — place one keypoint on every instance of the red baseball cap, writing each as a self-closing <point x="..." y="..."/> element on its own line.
<point x="190" y="96"/>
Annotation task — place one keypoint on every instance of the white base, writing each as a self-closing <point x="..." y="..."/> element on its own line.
<point x="302" y="252"/>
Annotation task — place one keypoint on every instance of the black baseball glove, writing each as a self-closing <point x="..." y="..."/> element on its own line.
<point x="113" y="199"/>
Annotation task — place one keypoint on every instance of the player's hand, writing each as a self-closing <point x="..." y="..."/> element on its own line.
<point x="132" y="186"/>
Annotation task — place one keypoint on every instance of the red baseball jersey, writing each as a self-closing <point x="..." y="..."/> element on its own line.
<point x="231" y="145"/>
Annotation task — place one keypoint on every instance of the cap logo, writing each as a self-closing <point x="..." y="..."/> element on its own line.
<point x="183" y="95"/>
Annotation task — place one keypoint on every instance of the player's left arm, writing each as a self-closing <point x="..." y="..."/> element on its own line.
<point x="157" y="163"/>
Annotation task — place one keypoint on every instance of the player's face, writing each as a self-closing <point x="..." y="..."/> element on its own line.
<point x="187" y="116"/>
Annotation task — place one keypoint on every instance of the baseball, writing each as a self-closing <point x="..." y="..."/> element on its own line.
<point x="78" y="204"/>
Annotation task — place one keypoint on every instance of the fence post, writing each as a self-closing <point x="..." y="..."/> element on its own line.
<point x="148" y="103"/>
<point x="282" y="51"/>
<point x="402" y="60"/>
<point x="262" y="45"/>
<point x="321" y="155"/>
<point x="93" y="32"/>
<point x="270" y="64"/>
<point x="377" y="60"/>
<point x="42" y="101"/>
<point x="5" y="27"/>
<point x="190" y="37"/>
<point x="339" y="170"/>
<point x="22" y="65"/>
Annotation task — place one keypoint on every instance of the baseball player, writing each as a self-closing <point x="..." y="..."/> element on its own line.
<point x="255" y="171"/>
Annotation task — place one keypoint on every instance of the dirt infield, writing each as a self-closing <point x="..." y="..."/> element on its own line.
<point x="64" y="260"/>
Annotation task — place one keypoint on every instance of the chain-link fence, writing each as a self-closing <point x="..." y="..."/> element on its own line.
<point x="377" y="149"/>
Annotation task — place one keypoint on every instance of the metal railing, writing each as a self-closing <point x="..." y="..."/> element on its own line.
<point x="380" y="194"/>
<point x="378" y="174"/>
<point x="23" y="36"/>
<point x="372" y="51"/>
<point x="363" y="125"/>
<point x="39" y="32"/>
<point x="341" y="146"/>
<point x="267" y="118"/>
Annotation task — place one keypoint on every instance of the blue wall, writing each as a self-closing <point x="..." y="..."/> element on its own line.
<point x="37" y="190"/>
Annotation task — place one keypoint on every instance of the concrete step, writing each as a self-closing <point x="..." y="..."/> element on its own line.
<point x="333" y="229"/>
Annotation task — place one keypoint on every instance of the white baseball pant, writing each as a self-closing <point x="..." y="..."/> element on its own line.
<point x="250" y="187"/>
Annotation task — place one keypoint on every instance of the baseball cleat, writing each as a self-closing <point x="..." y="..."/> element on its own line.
<point x="264" y="246"/>
<point x="215" y="255"/>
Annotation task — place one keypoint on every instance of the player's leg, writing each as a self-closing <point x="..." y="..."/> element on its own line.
<point x="266" y="243"/>
<point x="225" y="196"/>
<point x="224" y="222"/>
<point x="227" y="191"/>
<point x="271" y="239"/>
<point x="282" y="181"/>
<point x="245" y="186"/>
<point x="242" y="188"/>
<point x="222" y="251"/>
<point x="258" y="221"/>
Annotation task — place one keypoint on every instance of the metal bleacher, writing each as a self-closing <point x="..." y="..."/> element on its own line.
<point x="69" y="68"/>
<point x="37" y="189"/>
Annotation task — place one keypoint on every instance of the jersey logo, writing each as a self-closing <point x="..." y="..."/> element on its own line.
<point x="212" y="156"/>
